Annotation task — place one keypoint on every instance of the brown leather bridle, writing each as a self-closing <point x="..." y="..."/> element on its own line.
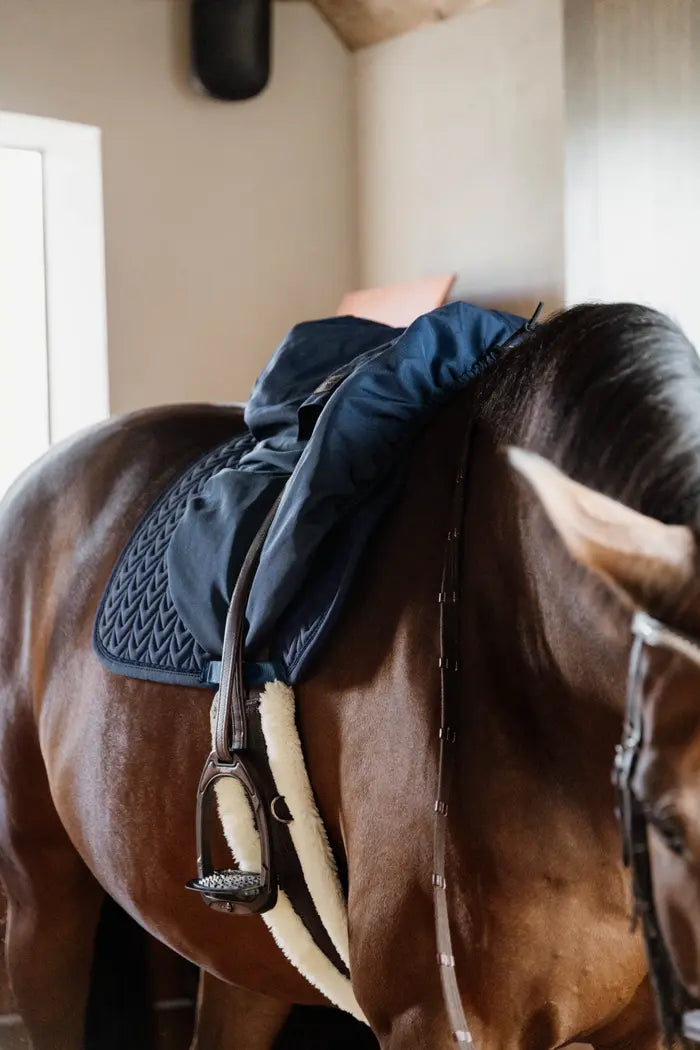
<point x="679" y="1013"/>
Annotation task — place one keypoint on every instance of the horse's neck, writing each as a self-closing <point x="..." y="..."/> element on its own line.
<point x="547" y="666"/>
<point x="541" y="689"/>
<point x="535" y="743"/>
<point x="533" y="849"/>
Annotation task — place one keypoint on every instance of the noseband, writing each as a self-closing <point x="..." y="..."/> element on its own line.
<point x="679" y="1013"/>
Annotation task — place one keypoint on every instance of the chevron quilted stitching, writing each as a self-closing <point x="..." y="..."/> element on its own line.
<point x="137" y="622"/>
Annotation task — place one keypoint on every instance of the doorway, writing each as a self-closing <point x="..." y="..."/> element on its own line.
<point x="53" y="338"/>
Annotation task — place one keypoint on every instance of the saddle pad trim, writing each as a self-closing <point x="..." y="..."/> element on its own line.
<point x="149" y="673"/>
<point x="285" y="755"/>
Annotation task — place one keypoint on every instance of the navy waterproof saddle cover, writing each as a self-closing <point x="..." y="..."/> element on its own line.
<point x="329" y="425"/>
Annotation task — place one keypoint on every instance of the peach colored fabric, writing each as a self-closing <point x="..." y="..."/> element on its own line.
<point x="398" y="304"/>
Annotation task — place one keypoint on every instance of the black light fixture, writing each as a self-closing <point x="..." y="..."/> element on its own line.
<point x="230" y="46"/>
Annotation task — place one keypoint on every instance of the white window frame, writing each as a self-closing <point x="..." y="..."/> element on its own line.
<point x="74" y="247"/>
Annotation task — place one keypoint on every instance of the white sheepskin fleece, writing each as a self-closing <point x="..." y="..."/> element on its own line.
<point x="277" y="706"/>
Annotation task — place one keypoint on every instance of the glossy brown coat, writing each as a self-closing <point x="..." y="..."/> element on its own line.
<point x="98" y="773"/>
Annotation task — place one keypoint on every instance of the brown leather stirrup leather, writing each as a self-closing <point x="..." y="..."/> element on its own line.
<point x="240" y="753"/>
<point x="230" y="889"/>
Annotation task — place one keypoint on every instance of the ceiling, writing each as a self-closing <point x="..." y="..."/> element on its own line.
<point x="362" y="22"/>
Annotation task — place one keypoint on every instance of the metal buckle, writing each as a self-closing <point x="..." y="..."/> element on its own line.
<point x="691" y="1025"/>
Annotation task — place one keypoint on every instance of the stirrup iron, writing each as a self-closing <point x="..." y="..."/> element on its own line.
<point x="230" y="889"/>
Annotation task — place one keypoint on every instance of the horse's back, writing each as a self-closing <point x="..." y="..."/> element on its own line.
<point x="136" y="454"/>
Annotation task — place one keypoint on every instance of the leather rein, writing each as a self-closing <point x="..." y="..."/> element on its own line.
<point x="450" y="603"/>
<point x="449" y="663"/>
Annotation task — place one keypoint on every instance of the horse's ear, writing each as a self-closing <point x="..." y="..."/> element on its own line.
<point x="640" y="554"/>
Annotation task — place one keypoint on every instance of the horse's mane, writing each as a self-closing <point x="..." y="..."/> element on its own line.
<point x="611" y="393"/>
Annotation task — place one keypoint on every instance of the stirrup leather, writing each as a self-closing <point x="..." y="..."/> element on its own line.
<point x="230" y="889"/>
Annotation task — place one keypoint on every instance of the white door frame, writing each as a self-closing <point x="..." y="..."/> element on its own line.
<point x="76" y="302"/>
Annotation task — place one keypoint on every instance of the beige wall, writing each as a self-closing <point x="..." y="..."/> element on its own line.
<point x="225" y="223"/>
<point x="633" y="153"/>
<point x="461" y="154"/>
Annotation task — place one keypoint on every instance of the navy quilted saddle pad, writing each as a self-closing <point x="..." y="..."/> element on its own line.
<point x="138" y="631"/>
<point x="344" y="442"/>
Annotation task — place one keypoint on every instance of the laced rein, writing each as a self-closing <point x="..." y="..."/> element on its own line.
<point x="449" y="662"/>
<point x="449" y="699"/>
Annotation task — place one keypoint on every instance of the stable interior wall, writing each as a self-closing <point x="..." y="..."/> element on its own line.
<point x="224" y="223"/>
<point x="633" y="154"/>
<point x="461" y="154"/>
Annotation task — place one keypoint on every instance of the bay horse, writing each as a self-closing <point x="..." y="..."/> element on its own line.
<point x="98" y="773"/>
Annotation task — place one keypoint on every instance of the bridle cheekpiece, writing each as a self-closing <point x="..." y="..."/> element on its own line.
<point x="679" y="1014"/>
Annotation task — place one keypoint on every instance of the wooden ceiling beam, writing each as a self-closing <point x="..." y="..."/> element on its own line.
<point x="363" y="22"/>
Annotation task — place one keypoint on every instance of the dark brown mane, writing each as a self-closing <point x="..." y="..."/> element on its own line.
<point x="611" y="393"/>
